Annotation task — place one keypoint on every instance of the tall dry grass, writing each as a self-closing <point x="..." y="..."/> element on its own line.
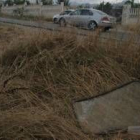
<point x="43" y="72"/>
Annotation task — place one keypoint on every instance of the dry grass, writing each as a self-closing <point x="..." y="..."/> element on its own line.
<point x="7" y="35"/>
<point x="43" y="72"/>
<point x="132" y="28"/>
<point x="28" y="17"/>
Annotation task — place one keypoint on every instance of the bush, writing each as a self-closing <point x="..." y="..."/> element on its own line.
<point x="19" y="2"/>
<point x="8" y="2"/>
<point x="19" y="12"/>
<point x="47" y="2"/>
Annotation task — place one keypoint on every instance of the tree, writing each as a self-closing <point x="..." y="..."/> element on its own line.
<point x="47" y="2"/>
<point x="19" y="12"/>
<point x="66" y="2"/>
<point x="131" y="2"/>
<point x="137" y="5"/>
<point x="8" y="2"/>
<point x="18" y="2"/>
<point x="101" y="6"/>
<point x="105" y="7"/>
<point x="80" y="6"/>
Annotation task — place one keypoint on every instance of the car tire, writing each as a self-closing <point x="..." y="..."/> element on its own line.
<point x="55" y="21"/>
<point x="62" y="22"/>
<point x="92" y="25"/>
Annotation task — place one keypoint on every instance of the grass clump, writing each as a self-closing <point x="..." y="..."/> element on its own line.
<point x="44" y="72"/>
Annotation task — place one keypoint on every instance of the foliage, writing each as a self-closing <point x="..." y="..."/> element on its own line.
<point x="133" y="4"/>
<point x="19" y="12"/>
<point x="8" y="2"/>
<point x="136" y="5"/>
<point x="18" y="2"/>
<point x="86" y="5"/>
<point x="66" y="2"/>
<point x="47" y="2"/>
<point x="105" y="7"/>
<point x="80" y="6"/>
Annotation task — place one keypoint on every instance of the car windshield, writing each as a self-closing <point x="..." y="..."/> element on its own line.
<point x="77" y="12"/>
<point x="65" y="12"/>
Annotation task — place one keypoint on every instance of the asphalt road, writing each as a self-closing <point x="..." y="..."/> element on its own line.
<point x="115" y="34"/>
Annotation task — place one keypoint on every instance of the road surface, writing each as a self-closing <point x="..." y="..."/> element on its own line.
<point x="118" y="35"/>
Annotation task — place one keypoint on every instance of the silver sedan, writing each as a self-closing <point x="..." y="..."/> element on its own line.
<point x="56" y="18"/>
<point x="89" y="18"/>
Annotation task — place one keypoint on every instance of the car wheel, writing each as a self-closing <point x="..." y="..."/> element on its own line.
<point x="92" y="25"/>
<point x="62" y="22"/>
<point x="55" y="20"/>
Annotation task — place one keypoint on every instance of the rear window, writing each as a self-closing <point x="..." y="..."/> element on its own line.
<point x="101" y="13"/>
<point x="86" y="12"/>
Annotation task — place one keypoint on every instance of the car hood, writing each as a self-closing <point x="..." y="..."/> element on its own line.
<point x="56" y="15"/>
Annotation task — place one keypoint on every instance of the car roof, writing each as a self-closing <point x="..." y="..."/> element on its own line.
<point x="70" y="10"/>
<point x="101" y="12"/>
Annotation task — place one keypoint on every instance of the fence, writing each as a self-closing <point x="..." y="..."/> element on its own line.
<point x="130" y="15"/>
<point x="35" y="10"/>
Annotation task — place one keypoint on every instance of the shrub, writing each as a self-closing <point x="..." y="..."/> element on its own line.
<point x="19" y="2"/>
<point x="47" y="2"/>
<point x="19" y="12"/>
<point x="8" y="2"/>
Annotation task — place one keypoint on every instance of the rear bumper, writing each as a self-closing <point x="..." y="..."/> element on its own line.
<point x="106" y="24"/>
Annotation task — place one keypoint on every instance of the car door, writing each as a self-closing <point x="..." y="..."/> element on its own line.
<point x="74" y="18"/>
<point x="86" y="16"/>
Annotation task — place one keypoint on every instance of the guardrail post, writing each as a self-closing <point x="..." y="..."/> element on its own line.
<point x="40" y="9"/>
<point x="126" y="14"/>
<point x="62" y="6"/>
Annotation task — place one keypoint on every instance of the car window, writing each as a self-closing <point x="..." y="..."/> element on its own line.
<point x="77" y="12"/>
<point x="90" y="13"/>
<point x="68" y="12"/>
<point x="65" y="13"/>
<point x="86" y="12"/>
<point x="101" y="13"/>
